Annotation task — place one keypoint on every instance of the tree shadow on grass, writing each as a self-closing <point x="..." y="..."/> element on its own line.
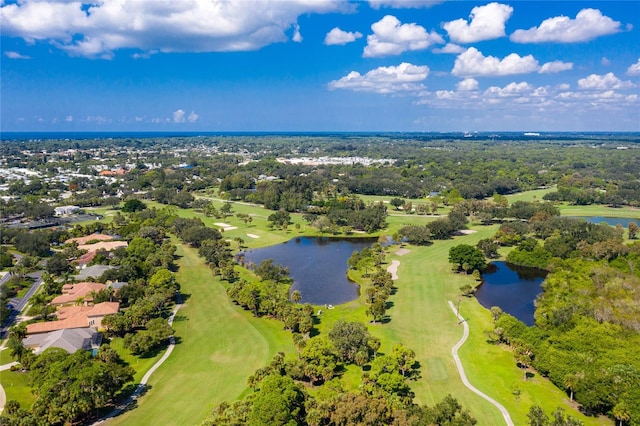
<point x="180" y="318"/>
<point x="185" y="296"/>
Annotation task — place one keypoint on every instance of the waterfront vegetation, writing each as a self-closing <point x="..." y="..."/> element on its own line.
<point x="236" y="321"/>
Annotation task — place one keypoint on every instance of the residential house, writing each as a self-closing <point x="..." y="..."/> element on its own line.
<point x="71" y="293"/>
<point x="70" y="317"/>
<point x="69" y="339"/>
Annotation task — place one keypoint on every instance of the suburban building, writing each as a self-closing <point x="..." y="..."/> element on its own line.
<point x="70" y="317"/>
<point x="65" y="210"/>
<point x="71" y="293"/>
<point x="70" y="339"/>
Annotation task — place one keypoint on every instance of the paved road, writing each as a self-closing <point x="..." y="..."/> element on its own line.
<point x="463" y="375"/>
<point x="20" y="303"/>
<point x="143" y="382"/>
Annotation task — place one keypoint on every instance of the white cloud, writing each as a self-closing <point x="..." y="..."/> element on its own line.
<point x="510" y="90"/>
<point x="15" y="55"/>
<point x="98" y="119"/>
<point x="338" y="36"/>
<point x="467" y="84"/>
<point x="390" y="37"/>
<point x="555" y="66"/>
<point x="193" y="117"/>
<point x="98" y="28"/>
<point x="403" y="78"/>
<point x="403" y="4"/>
<point x="604" y="82"/>
<point x="589" y="24"/>
<point x="178" y="116"/>
<point x="634" y="69"/>
<point x="473" y="63"/>
<point x="68" y="118"/>
<point x="449" y="48"/>
<point x="297" y="37"/>
<point x="487" y="22"/>
<point x="605" y="61"/>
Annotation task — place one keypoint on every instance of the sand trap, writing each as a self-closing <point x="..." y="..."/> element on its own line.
<point x="468" y="231"/>
<point x="393" y="269"/>
<point x="253" y="236"/>
<point x="225" y="226"/>
<point x="403" y="251"/>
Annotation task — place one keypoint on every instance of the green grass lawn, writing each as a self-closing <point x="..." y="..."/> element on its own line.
<point x="16" y="386"/>
<point x="421" y="319"/>
<point x="140" y="365"/>
<point x="219" y="346"/>
<point x="533" y="195"/>
<point x="598" y="210"/>
<point x="5" y="356"/>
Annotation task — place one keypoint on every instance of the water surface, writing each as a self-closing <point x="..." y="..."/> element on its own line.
<point x="513" y="288"/>
<point x="317" y="265"/>
<point x="613" y="221"/>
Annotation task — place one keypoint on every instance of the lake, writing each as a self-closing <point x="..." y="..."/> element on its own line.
<point x="317" y="265"/>
<point x="513" y="288"/>
<point x="613" y="221"/>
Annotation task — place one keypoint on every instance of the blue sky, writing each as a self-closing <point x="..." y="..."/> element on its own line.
<point x="319" y="65"/>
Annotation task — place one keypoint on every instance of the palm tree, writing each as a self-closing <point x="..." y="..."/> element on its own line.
<point x="296" y="296"/>
<point x="621" y="412"/>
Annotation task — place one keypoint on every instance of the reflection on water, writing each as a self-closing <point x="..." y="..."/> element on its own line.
<point x="512" y="288"/>
<point x="317" y="265"/>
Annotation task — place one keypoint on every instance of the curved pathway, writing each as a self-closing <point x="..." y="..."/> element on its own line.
<point x="463" y="375"/>
<point x="143" y="382"/>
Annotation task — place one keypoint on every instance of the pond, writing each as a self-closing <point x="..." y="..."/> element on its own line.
<point x="613" y="221"/>
<point x="513" y="288"/>
<point x="317" y="265"/>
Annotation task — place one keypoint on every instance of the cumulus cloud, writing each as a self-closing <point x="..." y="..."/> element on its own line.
<point x="193" y="117"/>
<point x="405" y="77"/>
<point x="605" y="62"/>
<point x="634" y="69"/>
<point x="68" y="118"/>
<point x="449" y="48"/>
<point x="555" y="66"/>
<point x="604" y="82"/>
<point x="487" y="22"/>
<point x="467" y="84"/>
<point x="178" y="116"/>
<point x="340" y="37"/>
<point x="390" y="37"/>
<point x="588" y="24"/>
<point x="403" y="4"/>
<point x="473" y="63"/>
<point x="510" y="90"/>
<point x="15" y="55"/>
<point x="97" y="29"/>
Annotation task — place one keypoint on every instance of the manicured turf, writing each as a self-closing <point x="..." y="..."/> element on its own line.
<point x="422" y="320"/>
<point x="534" y="195"/>
<point x="16" y="386"/>
<point x="220" y="346"/>
<point x="141" y="365"/>
<point x="597" y="210"/>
